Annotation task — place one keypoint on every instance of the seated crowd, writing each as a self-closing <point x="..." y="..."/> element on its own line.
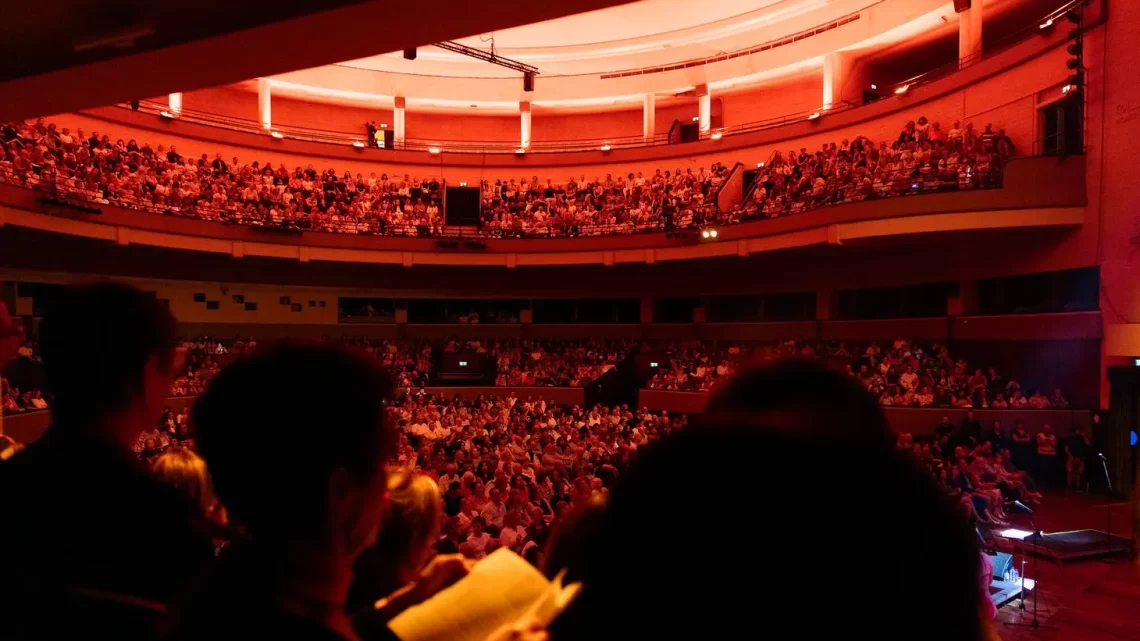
<point x="325" y="515"/>
<point x="553" y="363"/>
<point x="93" y="169"/>
<point x="904" y="374"/>
<point x="924" y="158"/>
<point x="21" y="393"/>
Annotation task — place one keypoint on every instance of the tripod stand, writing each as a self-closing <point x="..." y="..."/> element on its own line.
<point x="1034" y="623"/>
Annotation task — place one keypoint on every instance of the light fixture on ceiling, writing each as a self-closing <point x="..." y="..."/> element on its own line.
<point x="277" y="134"/>
<point x="606" y="147"/>
<point x="1045" y="25"/>
<point x="903" y="89"/>
<point x="716" y="135"/>
<point x="359" y="144"/>
<point x="433" y="149"/>
<point x="696" y="118"/>
<point x="166" y="114"/>
<point x="520" y="150"/>
<point x="814" y="116"/>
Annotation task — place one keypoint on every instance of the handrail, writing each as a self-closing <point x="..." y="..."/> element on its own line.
<point x="359" y="138"/>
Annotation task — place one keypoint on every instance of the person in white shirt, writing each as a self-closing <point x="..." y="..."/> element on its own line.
<point x="448" y="477"/>
<point x="909" y="379"/>
<point x="475" y="547"/>
<point x="494" y="511"/>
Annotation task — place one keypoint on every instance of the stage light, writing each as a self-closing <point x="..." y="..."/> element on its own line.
<point x="277" y="134"/>
<point x="1045" y="25"/>
<point x="433" y="150"/>
<point x="1067" y="88"/>
<point x="712" y="232"/>
<point x="1029" y="583"/>
<point x="606" y="147"/>
<point x="901" y="90"/>
<point x="759" y="164"/>
<point x="166" y="114"/>
<point x="716" y="135"/>
<point x="814" y="116"/>
<point x="520" y="150"/>
<point x="874" y="87"/>
<point x="696" y="118"/>
<point x="705" y="234"/>
<point x="654" y="364"/>
<point x="528" y="81"/>
<point x="359" y="144"/>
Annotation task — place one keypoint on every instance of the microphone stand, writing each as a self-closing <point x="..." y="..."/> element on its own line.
<point x="1108" y="506"/>
<point x="1035" y="623"/>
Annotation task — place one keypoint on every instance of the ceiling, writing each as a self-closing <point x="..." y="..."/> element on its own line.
<point x="61" y="55"/>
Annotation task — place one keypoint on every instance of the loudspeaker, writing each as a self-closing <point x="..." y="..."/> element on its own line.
<point x="961" y="5"/>
<point x="410" y="54"/>
<point x="528" y="81"/>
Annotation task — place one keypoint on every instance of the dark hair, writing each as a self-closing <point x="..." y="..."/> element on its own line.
<point x="95" y="341"/>
<point x="272" y="457"/>
<point x="819" y="400"/>
<point x="640" y="582"/>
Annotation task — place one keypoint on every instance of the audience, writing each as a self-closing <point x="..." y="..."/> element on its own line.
<point x="920" y="160"/>
<point x="94" y="170"/>
<point x="86" y="527"/>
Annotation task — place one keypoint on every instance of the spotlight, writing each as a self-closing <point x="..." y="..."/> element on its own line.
<point x="716" y="135"/>
<point x="1067" y="88"/>
<point x="433" y="149"/>
<point x="358" y="144"/>
<point x="901" y="90"/>
<point x="712" y="232"/>
<point x="696" y="118"/>
<point x="277" y="134"/>
<point x="706" y="234"/>
<point x="520" y="150"/>
<point x="606" y="147"/>
<point x="759" y="164"/>
<point x="1073" y="17"/>
<point x="1045" y="25"/>
<point x="166" y="114"/>
<point x="528" y="81"/>
<point x="874" y="87"/>
<point x="814" y="116"/>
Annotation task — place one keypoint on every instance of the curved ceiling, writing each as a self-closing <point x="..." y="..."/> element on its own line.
<point x="574" y="55"/>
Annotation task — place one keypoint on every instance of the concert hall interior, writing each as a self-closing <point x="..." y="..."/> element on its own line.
<point x="605" y="319"/>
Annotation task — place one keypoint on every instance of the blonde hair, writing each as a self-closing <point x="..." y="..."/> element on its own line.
<point x="415" y="517"/>
<point x="406" y="540"/>
<point x="186" y="471"/>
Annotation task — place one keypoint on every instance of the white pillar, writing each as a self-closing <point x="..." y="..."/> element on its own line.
<point x="399" y="122"/>
<point x="970" y="34"/>
<point x="174" y="103"/>
<point x="836" y="68"/>
<point x="524" y="124"/>
<point x="264" y="107"/>
<point x="704" y="108"/>
<point x="648" y="116"/>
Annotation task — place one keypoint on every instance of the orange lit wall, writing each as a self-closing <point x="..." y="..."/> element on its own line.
<point x="795" y="96"/>
<point x="458" y="126"/>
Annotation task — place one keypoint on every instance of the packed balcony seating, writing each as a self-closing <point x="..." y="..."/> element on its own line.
<point x="86" y="170"/>
<point x="555" y="363"/>
<point x="923" y="158"/>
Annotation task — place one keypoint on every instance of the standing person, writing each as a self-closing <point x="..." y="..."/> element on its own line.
<point x="307" y="512"/>
<point x="81" y="514"/>
<point x="1046" y="454"/>
<point x="1076" y="451"/>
